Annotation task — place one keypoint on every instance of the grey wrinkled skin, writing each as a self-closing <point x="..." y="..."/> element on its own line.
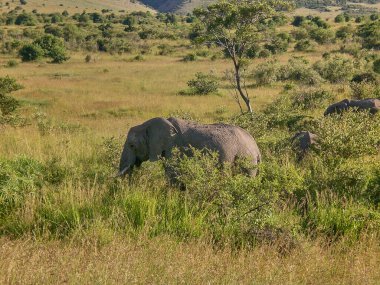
<point x="373" y="105"/>
<point x="157" y="137"/>
<point x="303" y="141"/>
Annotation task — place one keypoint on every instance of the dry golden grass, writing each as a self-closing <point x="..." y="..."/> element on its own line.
<point x="110" y="94"/>
<point x="72" y="6"/>
<point x="334" y="11"/>
<point x="164" y="261"/>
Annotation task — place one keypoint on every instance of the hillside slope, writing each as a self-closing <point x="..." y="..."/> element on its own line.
<point x="180" y="6"/>
<point x="73" y="6"/>
<point x="185" y="6"/>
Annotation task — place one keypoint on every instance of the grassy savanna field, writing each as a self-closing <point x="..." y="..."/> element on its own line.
<point x="65" y="219"/>
<point x="106" y="104"/>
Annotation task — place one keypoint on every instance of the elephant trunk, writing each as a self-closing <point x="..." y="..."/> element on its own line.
<point x="127" y="161"/>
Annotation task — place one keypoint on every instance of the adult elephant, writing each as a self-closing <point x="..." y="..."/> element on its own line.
<point x="372" y="105"/>
<point x="157" y="137"/>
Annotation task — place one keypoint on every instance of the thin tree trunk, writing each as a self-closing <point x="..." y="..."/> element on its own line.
<point x="239" y="88"/>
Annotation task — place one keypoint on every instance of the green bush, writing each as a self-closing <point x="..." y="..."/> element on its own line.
<point x="233" y="204"/>
<point x="364" y="90"/>
<point x="45" y="46"/>
<point x="53" y="47"/>
<point x="12" y="63"/>
<point x="26" y="19"/>
<point x="352" y="48"/>
<point x="8" y="104"/>
<point x="279" y="43"/>
<point x="336" y="68"/>
<point x="165" y="49"/>
<point x="31" y="52"/>
<point x="256" y="124"/>
<point x="339" y="18"/>
<point x="369" y="33"/>
<point x="299" y="70"/>
<point x="376" y="66"/>
<point x="282" y="114"/>
<point x="322" y="36"/>
<point x="202" y="84"/>
<point x="345" y="32"/>
<point x="352" y="134"/>
<point x="304" y="45"/>
<point x="314" y="98"/>
<point x="264" y="53"/>
<point x="266" y="73"/>
<point x="300" y="34"/>
<point x="189" y="57"/>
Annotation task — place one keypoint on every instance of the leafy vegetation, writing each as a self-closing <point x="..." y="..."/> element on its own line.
<point x="202" y="84"/>
<point x="63" y="132"/>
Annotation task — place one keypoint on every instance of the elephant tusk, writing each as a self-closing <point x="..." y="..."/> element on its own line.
<point x="123" y="172"/>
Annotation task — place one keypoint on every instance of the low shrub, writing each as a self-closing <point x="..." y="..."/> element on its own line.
<point x="8" y="104"/>
<point x="282" y="114"/>
<point x="299" y="70"/>
<point x="279" y="43"/>
<point x="345" y="32"/>
<point x="314" y="98"/>
<point x="336" y="68"/>
<point x="45" y="46"/>
<point x="30" y="52"/>
<point x="53" y="47"/>
<point x="189" y="57"/>
<point x="321" y="35"/>
<point x="165" y="49"/>
<point x="202" y="84"/>
<point x="376" y="66"/>
<point x="305" y="45"/>
<point x="234" y="204"/>
<point x="349" y="135"/>
<point x="12" y="63"/>
<point x="266" y="73"/>
<point x="364" y="90"/>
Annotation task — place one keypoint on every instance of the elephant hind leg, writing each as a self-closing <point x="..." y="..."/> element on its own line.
<point x="246" y="166"/>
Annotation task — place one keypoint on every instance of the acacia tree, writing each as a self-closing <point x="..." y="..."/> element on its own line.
<point x="236" y="26"/>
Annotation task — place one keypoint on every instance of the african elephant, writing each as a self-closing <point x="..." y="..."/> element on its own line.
<point x="337" y="107"/>
<point x="303" y="141"/>
<point x="373" y="105"/>
<point x="157" y="137"/>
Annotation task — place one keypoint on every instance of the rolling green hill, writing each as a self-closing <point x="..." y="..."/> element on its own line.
<point x="73" y="6"/>
<point x="185" y="6"/>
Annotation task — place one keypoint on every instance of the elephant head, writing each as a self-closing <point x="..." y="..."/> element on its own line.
<point x="338" y="108"/>
<point x="148" y="141"/>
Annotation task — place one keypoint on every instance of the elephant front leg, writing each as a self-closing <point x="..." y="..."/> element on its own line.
<point x="173" y="177"/>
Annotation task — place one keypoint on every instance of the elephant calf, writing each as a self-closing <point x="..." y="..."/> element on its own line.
<point x="303" y="141"/>
<point x="373" y="105"/>
<point x="157" y="137"/>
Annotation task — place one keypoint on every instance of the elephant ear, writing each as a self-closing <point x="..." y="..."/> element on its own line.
<point x="160" y="138"/>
